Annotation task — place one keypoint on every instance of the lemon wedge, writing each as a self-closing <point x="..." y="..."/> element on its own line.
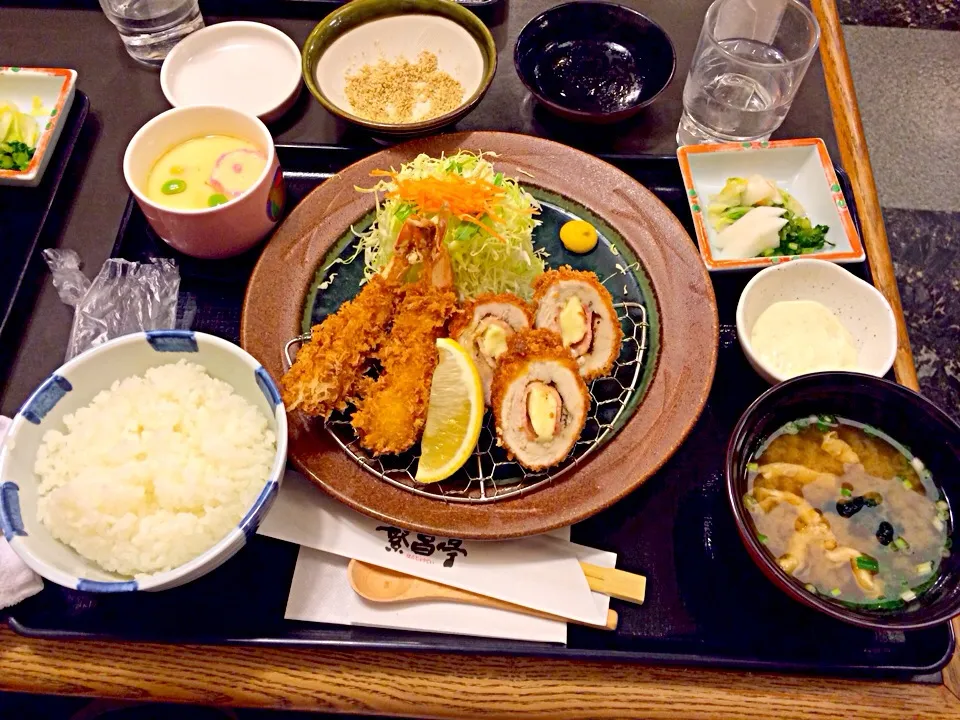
<point x="454" y="414"/>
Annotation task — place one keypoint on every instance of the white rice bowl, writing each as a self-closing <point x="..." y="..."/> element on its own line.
<point x="154" y="471"/>
<point x="116" y="481"/>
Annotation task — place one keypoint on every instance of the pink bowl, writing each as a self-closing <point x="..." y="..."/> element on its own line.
<point x="224" y="230"/>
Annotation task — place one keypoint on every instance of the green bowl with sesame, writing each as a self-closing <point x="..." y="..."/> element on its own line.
<point x="400" y="67"/>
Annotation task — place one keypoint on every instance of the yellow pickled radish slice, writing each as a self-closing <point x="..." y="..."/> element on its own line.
<point x="454" y="414"/>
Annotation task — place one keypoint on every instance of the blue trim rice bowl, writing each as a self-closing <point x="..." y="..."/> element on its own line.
<point x="154" y="471"/>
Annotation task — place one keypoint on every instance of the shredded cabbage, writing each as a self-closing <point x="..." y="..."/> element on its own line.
<point x="482" y="262"/>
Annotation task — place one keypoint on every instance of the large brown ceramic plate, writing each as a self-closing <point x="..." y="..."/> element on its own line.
<point x="678" y="367"/>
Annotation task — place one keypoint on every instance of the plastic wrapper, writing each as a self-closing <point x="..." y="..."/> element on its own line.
<point x="125" y="297"/>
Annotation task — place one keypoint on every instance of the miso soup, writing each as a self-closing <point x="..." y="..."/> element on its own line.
<point x="848" y="511"/>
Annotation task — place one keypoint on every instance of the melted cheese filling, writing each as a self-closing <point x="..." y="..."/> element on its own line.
<point x="493" y="342"/>
<point x="573" y="321"/>
<point x="542" y="410"/>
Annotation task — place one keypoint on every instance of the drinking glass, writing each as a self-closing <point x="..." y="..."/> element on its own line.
<point x="749" y="62"/>
<point x="150" y="28"/>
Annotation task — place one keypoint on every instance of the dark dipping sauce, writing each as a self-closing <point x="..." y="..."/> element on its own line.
<point x="848" y="511"/>
<point x="589" y="75"/>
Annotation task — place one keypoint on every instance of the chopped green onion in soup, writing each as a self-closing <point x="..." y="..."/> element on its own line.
<point x="844" y="508"/>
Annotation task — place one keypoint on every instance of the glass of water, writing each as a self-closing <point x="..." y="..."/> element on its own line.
<point x="150" y="28"/>
<point x="749" y="62"/>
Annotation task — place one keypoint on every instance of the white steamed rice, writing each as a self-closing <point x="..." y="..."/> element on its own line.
<point x="154" y="471"/>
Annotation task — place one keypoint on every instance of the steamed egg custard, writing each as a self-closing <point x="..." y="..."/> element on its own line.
<point x="205" y="172"/>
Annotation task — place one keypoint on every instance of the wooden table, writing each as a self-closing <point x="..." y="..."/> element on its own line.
<point x="420" y="685"/>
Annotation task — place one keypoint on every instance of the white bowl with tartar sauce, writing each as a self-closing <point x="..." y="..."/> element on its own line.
<point x="805" y="316"/>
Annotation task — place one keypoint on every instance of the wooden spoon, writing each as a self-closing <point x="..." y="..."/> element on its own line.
<point x="381" y="585"/>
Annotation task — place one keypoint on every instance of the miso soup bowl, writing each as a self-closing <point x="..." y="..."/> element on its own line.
<point x="907" y="417"/>
<point x="224" y="230"/>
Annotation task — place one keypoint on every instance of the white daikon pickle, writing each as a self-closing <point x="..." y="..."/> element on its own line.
<point x="760" y="191"/>
<point x="755" y="232"/>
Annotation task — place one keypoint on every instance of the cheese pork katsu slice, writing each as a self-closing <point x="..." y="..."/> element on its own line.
<point x="483" y="327"/>
<point x="539" y="399"/>
<point x="575" y="305"/>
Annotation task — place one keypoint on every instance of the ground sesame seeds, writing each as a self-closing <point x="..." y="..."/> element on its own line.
<point x="400" y="91"/>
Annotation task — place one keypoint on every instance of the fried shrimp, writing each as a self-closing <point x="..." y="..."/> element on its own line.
<point x="391" y="414"/>
<point x="329" y="368"/>
<point x="392" y="411"/>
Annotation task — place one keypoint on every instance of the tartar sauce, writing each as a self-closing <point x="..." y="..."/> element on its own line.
<point x="794" y="337"/>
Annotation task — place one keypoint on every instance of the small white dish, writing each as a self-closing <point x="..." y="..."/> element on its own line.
<point x="247" y="66"/>
<point x="55" y="88"/>
<point x="73" y="386"/>
<point x="801" y="166"/>
<point x="859" y="306"/>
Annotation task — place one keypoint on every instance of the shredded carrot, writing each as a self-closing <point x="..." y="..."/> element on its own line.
<point x="493" y="216"/>
<point x="479" y="223"/>
<point x="468" y="199"/>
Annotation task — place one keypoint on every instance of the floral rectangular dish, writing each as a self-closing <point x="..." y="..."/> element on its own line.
<point x="34" y="103"/>
<point x="806" y="214"/>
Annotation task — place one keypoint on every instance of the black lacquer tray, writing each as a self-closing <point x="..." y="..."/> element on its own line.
<point x="707" y="604"/>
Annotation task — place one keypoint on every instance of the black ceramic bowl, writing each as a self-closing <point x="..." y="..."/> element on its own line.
<point x="594" y="61"/>
<point x="905" y="416"/>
